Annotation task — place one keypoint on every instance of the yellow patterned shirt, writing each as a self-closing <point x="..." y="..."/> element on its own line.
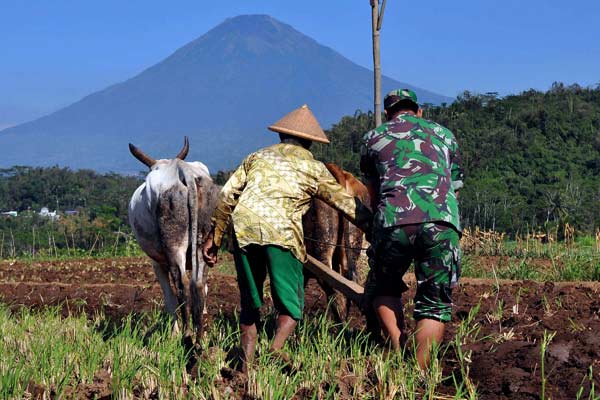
<point x="269" y="193"/>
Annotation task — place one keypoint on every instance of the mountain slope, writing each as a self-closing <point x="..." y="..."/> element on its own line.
<point x="221" y="89"/>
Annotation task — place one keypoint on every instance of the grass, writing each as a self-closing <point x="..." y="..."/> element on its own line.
<point x="543" y="348"/>
<point x="592" y="387"/>
<point x="496" y="259"/>
<point x="566" y="266"/>
<point x="576" y="259"/>
<point x="141" y="356"/>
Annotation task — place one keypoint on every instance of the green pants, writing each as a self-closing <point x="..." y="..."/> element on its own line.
<point x="252" y="264"/>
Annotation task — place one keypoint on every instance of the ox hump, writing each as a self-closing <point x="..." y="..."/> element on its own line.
<point x="199" y="170"/>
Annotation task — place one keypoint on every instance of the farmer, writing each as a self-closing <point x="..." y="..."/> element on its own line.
<point x="413" y="173"/>
<point x="266" y="198"/>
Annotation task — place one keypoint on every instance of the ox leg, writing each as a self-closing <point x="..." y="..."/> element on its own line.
<point x="181" y="282"/>
<point x="162" y="274"/>
<point x="350" y="253"/>
<point x="338" y="301"/>
<point x="198" y="290"/>
<point x="333" y="297"/>
<point x="327" y="254"/>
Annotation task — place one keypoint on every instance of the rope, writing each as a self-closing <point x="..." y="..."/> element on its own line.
<point x="336" y="245"/>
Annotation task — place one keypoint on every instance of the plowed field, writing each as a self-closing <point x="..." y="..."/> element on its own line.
<point x="505" y="363"/>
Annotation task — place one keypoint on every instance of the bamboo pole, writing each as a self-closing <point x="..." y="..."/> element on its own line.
<point x="380" y="18"/>
<point x="67" y="242"/>
<point x="117" y="242"/>
<point x="54" y="245"/>
<point x="376" y="21"/>
<point x="93" y="245"/>
<point x="13" y="248"/>
<point x="33" y="242"/>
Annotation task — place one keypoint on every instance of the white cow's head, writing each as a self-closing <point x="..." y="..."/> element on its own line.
<point x="197" y="168"/>
<point x="156" y="164"/>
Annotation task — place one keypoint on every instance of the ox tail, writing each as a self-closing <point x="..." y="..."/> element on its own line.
<point x="197" y="281"/>
<point x="192" y="203"/>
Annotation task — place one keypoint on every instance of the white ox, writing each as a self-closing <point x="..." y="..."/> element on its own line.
<point x="170" y="216"/>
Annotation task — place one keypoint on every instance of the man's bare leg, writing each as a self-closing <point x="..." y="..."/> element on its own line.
<point x="248" y="341"/>
<point x="430" y="332"/>
<point x="391" y="316"/>
<point x="285" y="327"/>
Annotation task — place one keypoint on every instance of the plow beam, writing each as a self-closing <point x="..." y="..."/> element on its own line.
<point x="352" y="290"/>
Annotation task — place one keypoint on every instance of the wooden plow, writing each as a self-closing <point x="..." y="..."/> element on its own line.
<point x="352" y="290"/>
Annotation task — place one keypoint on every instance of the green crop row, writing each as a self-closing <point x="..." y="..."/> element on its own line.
<point x="141" y="356"/>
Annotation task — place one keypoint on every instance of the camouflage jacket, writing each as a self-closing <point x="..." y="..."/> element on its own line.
<point x="269" y="193"/>
<point x="415" y="164"/>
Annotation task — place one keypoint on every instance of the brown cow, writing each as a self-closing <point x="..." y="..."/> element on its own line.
<point x="333" y="240"/>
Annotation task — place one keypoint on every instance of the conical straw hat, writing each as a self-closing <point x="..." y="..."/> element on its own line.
<point x="301" y="123"/>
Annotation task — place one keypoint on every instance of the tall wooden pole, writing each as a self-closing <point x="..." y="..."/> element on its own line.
<point x="376" y="20"/>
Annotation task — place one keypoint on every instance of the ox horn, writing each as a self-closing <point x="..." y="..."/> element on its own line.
<point x="186" y="147"/>
<point x="140" y="155"/>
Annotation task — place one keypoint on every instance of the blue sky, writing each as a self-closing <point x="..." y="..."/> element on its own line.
<point x="53" y="53"/>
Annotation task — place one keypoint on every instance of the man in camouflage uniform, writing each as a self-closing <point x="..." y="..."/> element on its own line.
<point x="413" y="173"/>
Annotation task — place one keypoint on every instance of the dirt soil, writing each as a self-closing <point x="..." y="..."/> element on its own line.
<point x="505" y="365"/>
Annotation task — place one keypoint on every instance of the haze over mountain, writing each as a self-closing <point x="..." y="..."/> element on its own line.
<point x="221" y="90"/>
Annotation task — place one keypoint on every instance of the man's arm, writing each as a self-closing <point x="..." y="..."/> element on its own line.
<point x="228" y="199"/>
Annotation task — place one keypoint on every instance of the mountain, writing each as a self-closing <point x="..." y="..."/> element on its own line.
<point x="221" y="90"/>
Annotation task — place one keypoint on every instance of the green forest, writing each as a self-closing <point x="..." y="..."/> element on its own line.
<point x="97" y="204"/>
<point x="532" y="162"/>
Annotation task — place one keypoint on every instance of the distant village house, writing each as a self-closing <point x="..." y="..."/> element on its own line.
<point x="46" y="213"/>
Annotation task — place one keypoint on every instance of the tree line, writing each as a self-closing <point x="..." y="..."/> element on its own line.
<point x="532" y="162"/>
<point x="96" y="204"/>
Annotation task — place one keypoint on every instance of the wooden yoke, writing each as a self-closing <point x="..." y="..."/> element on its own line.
<point x="352" y="290"/>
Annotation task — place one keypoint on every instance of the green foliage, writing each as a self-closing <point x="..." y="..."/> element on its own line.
<point x="532" y="160"/>
<point x="555" y="262"/>
<point x="99" y="225"/>
<point x="221" y="177"/>
<point x="346" y="139"/>
<point x="31" y="188"/>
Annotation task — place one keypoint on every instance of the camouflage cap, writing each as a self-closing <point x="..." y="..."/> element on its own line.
<point x="395" y="96"/>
